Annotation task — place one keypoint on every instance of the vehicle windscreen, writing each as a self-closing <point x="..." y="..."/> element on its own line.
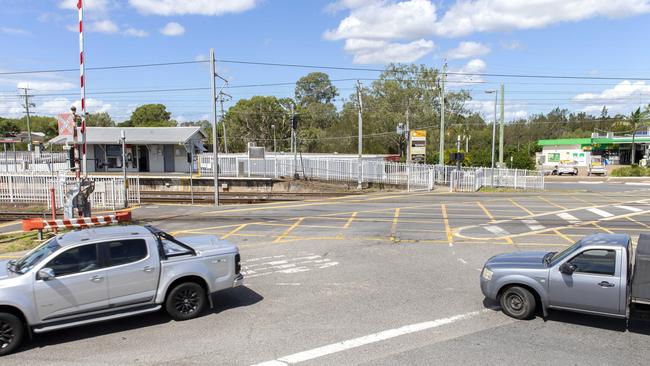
<point x="34" y="257"/>
<point x="561" y="255"/>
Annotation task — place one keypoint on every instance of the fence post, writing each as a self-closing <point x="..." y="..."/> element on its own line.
<point x="11" y="189"/>
<point x="408" y="178"/>
<point x="327" y="169"/>
<point x="516" y="178"/>
<point x="113" y="193"/>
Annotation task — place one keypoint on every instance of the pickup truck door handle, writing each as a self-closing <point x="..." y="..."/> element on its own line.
<point x="605" y="284"/>
<point x="96" y="278"/>
<point x="148" y="269"/>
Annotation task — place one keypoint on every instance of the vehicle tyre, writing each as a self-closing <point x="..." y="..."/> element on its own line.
<point x="518" y="302"/>
<point x="186" y="301"/>
<point x="12" y="331"/>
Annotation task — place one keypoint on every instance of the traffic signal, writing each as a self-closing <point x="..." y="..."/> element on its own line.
<point x="71" y="159"/>
<point x="294" y="122"/>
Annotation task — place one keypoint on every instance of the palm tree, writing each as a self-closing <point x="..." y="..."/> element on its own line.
<point x="636" y="120"/>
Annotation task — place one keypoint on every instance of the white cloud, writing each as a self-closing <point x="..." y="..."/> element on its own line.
<point x="13" y="31"/>
<point x="133" y="32"/>
<point x="46" y="85"/>
<point x="484" y="107"/>
<point x="198" y="7"/>
<point x="10" y="105"/>
<point x="411" y="20"/>
<point x="380" y="19"/>
<point x="59" y="105"/>
<point x="103" y="26"/>
<point x="466" y="17"/>
<point x="368" y="51"/>
<point x="622" y="98"/>
<point x="468" y="50"/>
<point x="467" y="74"/>
<point x="172" y="29"/>
<point x="511" y="45"/>
<point x="100" y="5"/>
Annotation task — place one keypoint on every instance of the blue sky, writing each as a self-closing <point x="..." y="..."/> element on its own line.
<point x="602" y="38"/>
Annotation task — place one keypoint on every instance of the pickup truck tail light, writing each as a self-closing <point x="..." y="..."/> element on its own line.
<point x="237" y="264"/>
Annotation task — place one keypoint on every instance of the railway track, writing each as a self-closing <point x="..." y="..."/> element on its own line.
<point x="11" y="216"/>
<point x="232" y="197"/>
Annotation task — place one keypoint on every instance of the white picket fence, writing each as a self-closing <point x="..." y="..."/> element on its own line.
<point x="33" y="188"/>
<point x="412" y="176"/>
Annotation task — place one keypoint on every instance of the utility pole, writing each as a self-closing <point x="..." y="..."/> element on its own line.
<point x="501" y="126"/>
<point x="215" y="151"/>
<point x="29" y="128"/>
<point x="126" y="182"/>
<point x="441" y="150"/>
<point x="294" y="130"/>
<point x="275" y="146"/>
<point x="223" y="121"/>
<point x="360" y="142"/>
<point x="457" y="152"/>
<point x="408" y="135"/>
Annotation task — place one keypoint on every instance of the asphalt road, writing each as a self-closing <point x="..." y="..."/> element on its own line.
<point x="382" y="279"/>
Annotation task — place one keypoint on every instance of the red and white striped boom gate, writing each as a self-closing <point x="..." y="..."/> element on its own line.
<point x="78" y="223"/>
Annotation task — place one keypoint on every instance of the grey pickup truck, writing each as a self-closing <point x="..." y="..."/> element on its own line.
<point x="600" y="274"/>
<point x="101" y="274"/>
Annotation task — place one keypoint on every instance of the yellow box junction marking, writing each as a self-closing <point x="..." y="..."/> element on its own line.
<point x="487" y="213"/>
<point x="445" y="219"/>
<point x="552" y="203"/>
<point x="393" y="227"/>
<point x="234" y="231"/>
<point x="521" y="207"/>
<point x="289" y="230"/>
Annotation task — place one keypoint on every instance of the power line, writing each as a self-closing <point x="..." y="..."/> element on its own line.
<point x="327" y="67"/>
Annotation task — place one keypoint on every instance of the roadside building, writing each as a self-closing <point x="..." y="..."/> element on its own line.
<point x="616" y="149"/>
<point x="148" y="149"/>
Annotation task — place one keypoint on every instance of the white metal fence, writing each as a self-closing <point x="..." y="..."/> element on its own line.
<point x="24" y="161"/>
<point x="108" y="193"/>
<point x="413" y="176"/>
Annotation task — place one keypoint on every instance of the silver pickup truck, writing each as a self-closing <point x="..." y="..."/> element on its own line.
<point x="600" y="274"/>
<point x="106" y="273"/>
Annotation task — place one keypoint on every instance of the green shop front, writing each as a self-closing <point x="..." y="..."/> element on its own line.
<point x="617" y="150"/>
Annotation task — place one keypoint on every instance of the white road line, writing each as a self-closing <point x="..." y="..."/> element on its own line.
<point x="568" y="217"/>
<point x="262" y="258"/>
<point x="365" y="340"/>
<point x="533" y="224"/>
<point x="629" y="208"/>
<point x="600" y="212"/>
<point x="496" y="230"/>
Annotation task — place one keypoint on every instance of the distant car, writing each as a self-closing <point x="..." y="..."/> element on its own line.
<point x="596" y="166"/>
<point x="568" y="167"/>
<point x="107" y="273"/>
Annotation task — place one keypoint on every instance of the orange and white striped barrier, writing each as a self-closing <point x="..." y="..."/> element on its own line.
<point x="82" y="222"/>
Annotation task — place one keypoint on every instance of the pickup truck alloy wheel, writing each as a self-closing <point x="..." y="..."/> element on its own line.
<point x="518" y="302"/>
<point x="11" y="333"/>
<point x="186" y="301"/>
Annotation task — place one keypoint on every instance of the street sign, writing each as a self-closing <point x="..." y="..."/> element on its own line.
<point x="66" y="124"/>
<point x="418" y="143"/>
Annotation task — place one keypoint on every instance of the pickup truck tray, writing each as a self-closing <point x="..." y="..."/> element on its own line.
<point x="641" y="275"/>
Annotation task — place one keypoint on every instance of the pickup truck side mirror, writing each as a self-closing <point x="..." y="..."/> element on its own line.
<point x="567" y="268"/>
<point x="46" y="274"/>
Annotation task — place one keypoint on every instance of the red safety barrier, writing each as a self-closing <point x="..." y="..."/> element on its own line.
<point x="82" y="222"/>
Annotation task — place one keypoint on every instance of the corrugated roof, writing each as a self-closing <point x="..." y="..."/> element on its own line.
<point x="136" y="135"/>
<point x="574" y="141"/>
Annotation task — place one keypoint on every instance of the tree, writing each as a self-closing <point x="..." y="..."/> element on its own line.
<point x="150" y="115"/>
<point x="315" y="87"/>
<point x="251" y="120"/>
<point x="101" y="119"/>
<point x="8" y="127"/>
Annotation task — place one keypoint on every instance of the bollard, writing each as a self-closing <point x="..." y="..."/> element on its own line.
<point x="53" y="202"/>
